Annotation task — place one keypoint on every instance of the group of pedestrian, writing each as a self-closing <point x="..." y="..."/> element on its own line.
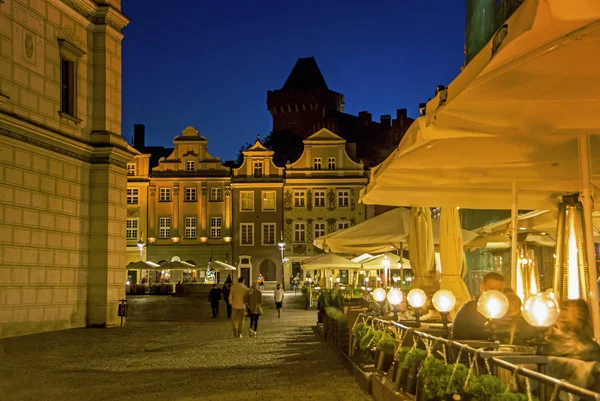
<point x="241" y="301"/>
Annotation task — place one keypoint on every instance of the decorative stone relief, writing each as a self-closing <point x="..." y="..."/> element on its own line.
<point x="287" y="201"/>
<point x="133" y="212"/>
<point x="299" y="249"/>
<point x="309" y="200"/>
<point x="28" y="39"/>
<point x="331" y="200"/>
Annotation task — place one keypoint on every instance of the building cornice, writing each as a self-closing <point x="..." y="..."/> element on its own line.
<point x="256" y="185"/>
<point x="326" y="182"/>
<point x="98" y="14"/>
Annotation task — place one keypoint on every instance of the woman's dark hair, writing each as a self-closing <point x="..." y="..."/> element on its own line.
<point x="583" y="317"/>
<point x="240" y="280"/>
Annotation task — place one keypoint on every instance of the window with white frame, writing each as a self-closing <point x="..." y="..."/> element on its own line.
<point x="216" y="194"/>
<point x="318" y="163"/>
<point x="268" y="233"/>
<point x="132" y="196"/>
<point x="191" y="195"/>
<point x="343" y="196"/>
<point x="319" y="229"/>
<point x="319" y="198"/>
<point x="299" y="231"/>
<point x="331" y="163"/>
<point x="190" y="165"/>
<point x="246" y="233"/>
<point x="216" y="230"/>
<point x="258" y="168"/>
<point x="269" y="199"/>
<point x="190" y="227"/>
<point x="132" y="228"/>
<point x="299" y="198"/>
<point x="247" y="201"/>
<point x="342" y="225"/>
<point x="164" y="224"/>
<point x="164" y="195"/>
<point x="130" y="168"/>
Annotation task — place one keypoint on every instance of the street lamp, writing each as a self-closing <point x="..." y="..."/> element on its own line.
<point x="444" y="301"/>
<point x="394" y="297"/>
<point x="492" y="305"/>
<point x="281" y="245"/>
<point x="141" y="245"/>
<point x="416" y="298"/>
<point x="379" y="297"/>
<point x="540" y="311"/>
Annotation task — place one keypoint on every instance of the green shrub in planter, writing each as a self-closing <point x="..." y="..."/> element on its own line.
<point x="411" y="364"/>
<point x="441" y="380"/>
<point x="370" y="339"/>
<point x="358" y="332"/>
<point x="508" y="396"/>
<point x="387" y="344"/>
<point x="485" y="387"/>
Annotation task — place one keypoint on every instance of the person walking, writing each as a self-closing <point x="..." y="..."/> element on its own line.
<point x="278" y="295"/>
<point x="226" y="290"/>
<point x="238" y="297"/>
<point x="255" y="307"/>
<point x="214" y="297"/>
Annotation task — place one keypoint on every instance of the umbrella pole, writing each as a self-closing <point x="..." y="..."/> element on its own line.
<point x="513" y="248"/>
<point x="586" y="195"/>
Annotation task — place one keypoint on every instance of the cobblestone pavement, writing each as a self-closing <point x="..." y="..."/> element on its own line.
<point x="170" y="349"/>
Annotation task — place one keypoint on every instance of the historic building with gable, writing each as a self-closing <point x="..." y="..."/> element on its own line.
<point x="62" y="165"/>
<point x="258" y="214"/>
<point x="321" y="192"/>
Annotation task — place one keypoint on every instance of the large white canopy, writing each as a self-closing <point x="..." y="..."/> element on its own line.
<point x="376" y="262"/>
<point x="382" y="233"/>
<point x="330" y="261"/>
<point x="222" y="266"/>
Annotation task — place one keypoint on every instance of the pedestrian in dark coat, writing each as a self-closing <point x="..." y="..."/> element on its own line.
<point x="226" y="291"/>
<point x="214" y="297"/>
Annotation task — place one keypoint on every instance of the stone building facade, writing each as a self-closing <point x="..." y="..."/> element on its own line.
<point x="258" y="214"/>
<point x="62" y="165"/>
<point x="321" y="192"/>
<point x="182" y="208"/>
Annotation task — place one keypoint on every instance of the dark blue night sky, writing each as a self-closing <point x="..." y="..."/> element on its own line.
<point x="209" y="64"/>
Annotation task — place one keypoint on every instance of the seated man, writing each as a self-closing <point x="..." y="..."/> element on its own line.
<point x="469" y="324"/>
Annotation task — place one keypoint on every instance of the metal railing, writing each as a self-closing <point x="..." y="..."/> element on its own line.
<point x="493" y="357"/>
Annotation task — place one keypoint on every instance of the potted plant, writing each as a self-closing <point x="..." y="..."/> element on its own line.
<point x="438" y="380"/>
<point x="399" y="373"/>
<point x="385" y="352"/>
<point x="485" y="387"/>
<point x="411" y="364"/>
<point x="369" y="341"/>
<point x="358" y="332"/>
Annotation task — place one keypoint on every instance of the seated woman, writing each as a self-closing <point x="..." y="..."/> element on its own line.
<point x="574" y="336"/>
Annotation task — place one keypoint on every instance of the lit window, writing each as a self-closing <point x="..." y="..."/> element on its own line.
<point x="258" y="168"/>
<point x="132" y="228"/>
<point x="299" y="199"/>
<point x="130" y="168"/>
<point x="342" y="225"/>
<point x="300" y="231"/>
<point x="216" y="194"/>
<point x="165" y="227"/>
<point x="268" y="233"/>
<point x="318" y="163"/>
<point x="331" y="163"/>
<point x="190" y="195"/>
<point x="247" y="201"/>
<point x="319" y="229"/>
<point x="190" y="165"/>
<point x="165" y="195"/>
<point x="132" y="196"/>
<point x="319" y="197"/>
<point x="190" y="227"/>
<point x="215" y="227"/>
<point x="247" y="234"/>
<point x="343" y="198"/>
<point x="268" y="201"/>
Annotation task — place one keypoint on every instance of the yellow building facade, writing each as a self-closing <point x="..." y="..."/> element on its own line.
<point x="62" y="165"/>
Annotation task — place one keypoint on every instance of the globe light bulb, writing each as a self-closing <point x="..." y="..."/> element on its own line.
<point x="540" y="310"/>
<point x="394" y="296"/>
<point x="443" y="300"/>
<point x="492" y="304"/>
<point x="378" y="294"/>
<point x="416" y="298"/>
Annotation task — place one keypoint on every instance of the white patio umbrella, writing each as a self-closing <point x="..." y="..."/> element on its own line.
<point x="222" y="266"/>
<point x="376" y="262"/>
<point x="140" y="264"/>
<point x="420" y="242"/>
<point x="330" y="261"/>
<point x="177" y="264"/>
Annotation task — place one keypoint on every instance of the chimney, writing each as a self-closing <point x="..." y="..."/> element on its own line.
<point x="386" y="120"/>
<point x="365" y="117"/>
<point x="139" y="136"/>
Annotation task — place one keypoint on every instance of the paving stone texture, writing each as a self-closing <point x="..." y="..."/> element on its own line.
<point x="171" y="349"/>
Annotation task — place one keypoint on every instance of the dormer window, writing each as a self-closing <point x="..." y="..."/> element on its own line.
<point x="318" y="163"/>
<point x="190" y="165"/>
<point x="258" y="168"/>
<point x="130" y="168"/>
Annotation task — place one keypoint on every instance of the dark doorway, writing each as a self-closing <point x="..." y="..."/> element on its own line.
<point x="245" y="273"/>
<point x="269" y="270"/>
